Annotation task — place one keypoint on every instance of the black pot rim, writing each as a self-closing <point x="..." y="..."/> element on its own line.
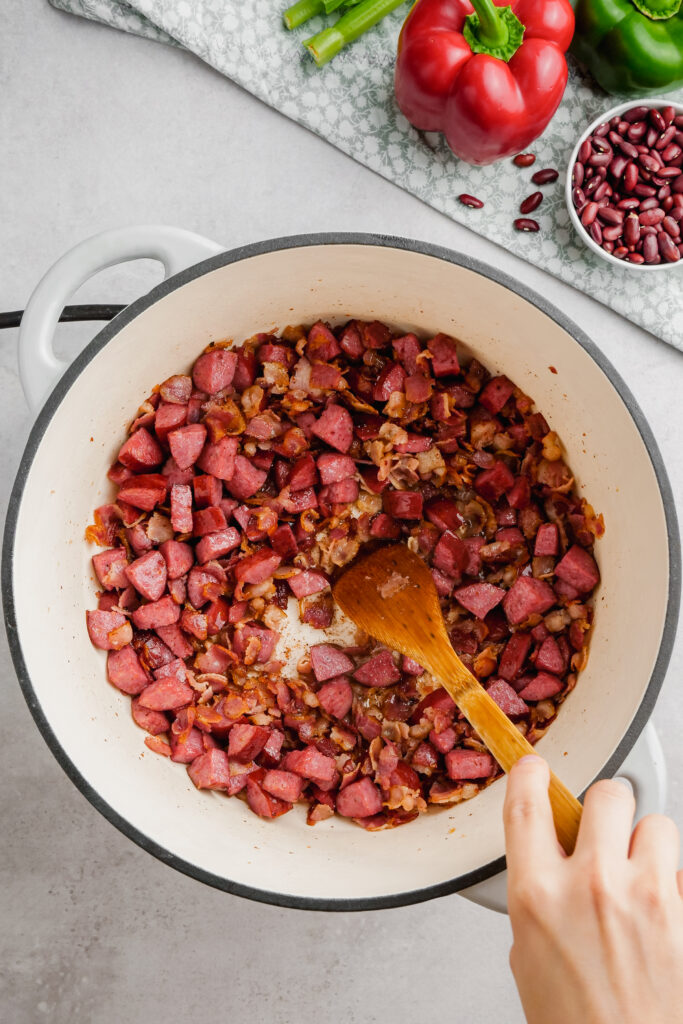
<point x="45" y="416"/>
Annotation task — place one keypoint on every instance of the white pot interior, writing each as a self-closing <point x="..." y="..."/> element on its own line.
<point x="54" y="583"/>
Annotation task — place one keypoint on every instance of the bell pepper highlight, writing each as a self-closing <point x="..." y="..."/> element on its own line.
<point x="489" y="76"/>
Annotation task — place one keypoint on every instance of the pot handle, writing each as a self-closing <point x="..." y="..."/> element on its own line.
<point x="39" y="367"/>
<point x="644" y="768"/>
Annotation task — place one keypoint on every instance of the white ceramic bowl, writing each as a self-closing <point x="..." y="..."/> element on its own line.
<point x="48" y="581"/>
<point x="580" y="229"/>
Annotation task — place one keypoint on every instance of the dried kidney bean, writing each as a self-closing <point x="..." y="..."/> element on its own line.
<point x="524" y="160"/>
<point x="531" y="203"/>
<point x="547" y="175"/>
<point x="471" y="201"/>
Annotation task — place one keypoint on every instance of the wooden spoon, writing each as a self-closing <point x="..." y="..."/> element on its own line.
<point x="391" y="595"/>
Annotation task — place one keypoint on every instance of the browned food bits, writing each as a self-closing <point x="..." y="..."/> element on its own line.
<point x="471" y="201"/>
<point x="524" y="160"/>
<point x="545" y="176"/>
<point x="531" y="202"/>
<point x="628" y="185"/>
<point x="525" y="224"/>
<point x="246" y="486"/>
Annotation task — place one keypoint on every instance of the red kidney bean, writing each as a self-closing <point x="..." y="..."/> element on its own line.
<point x="648" y="204"/>
<point x="644" y="191"/>
<point x="612" y="233"/>
<point x="651" y="137"/>
<point x="631" y="230"/>
<point x="678" y="120"/>
<point x="471" y="201"/>
<point x="677" y="184"/>
<point x="667" y="202"/>
<point x="668" y="173"/>
<point x="595" y="232"/>
<point x="618" y="166"/>
<point x="630" y="203"/>
<point x="630" y="177"/>
<point x="648" y="162"/>
<point x="677" y="213"/>
<point x="602" y="129"/>
<point x="635" y="257"/>
<point x="649" y="229"/>
<point x="547" y="175"/>
<point x="600" y="145"/>
<point x="591" y="185"/>
<point x="651" y="217"/>
<point x="650" y="250"/>
<point x="608" y="215"/>
<point x="666" y="137"/>
<point x="668" y="114"/>
<point x="634" y="114"/>
<point x="671" y="227"/>
<point x="664" y="192"/>
<point x="578" y="197"/>
<point x="667" y="250"/>
<point x="525" y="224"/>
<point x="597" y="160"/>
<point x="636" y="131"/>
<point x="678" y="137"/>
<point x="531" y="203"/>
<point x="524" y="160"/>
<point x="585" y="150"/>
<point x="607" y="245"/>
<point x="589" y="214"/>
<point x="627" y="147"/>
<point x="671" y="152"/>
<point x="578" y="175"/>
<point x="602" y="192"/>
<point x="620" y="251"/>
<point x="656" y="119"/>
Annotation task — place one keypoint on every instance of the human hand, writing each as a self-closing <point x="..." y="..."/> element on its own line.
<point x="598" y="936"/>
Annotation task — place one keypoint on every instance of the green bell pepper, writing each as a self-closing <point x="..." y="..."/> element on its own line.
<point x="631" y="47"/>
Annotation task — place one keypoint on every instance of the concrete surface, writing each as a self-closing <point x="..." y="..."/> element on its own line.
<point x="98" y="130"/>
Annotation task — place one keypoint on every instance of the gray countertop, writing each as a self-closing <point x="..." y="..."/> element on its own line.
<point x="99" y="130"/>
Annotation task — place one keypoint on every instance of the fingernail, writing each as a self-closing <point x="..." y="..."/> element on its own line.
<point x="624" y="782"/>
<point x="527" y="759"/>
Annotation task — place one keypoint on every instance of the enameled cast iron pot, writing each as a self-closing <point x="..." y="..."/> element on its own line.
<point x="48" y="581"/>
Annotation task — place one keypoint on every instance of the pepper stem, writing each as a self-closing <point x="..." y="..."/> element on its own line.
<point x="493" y="30"/>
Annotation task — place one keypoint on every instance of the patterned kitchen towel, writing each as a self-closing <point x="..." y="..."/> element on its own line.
<point x="351" y="104"/>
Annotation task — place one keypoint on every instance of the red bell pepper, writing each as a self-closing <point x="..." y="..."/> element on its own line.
<point x="490" y="77"/>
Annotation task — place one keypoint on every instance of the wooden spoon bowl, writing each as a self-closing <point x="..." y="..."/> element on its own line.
<point x="391" y="595"/>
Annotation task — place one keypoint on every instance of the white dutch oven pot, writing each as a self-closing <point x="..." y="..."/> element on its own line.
<point x="48" y="581"/>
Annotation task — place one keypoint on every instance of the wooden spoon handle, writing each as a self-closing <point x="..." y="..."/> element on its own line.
<point x="507" y="745"/>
